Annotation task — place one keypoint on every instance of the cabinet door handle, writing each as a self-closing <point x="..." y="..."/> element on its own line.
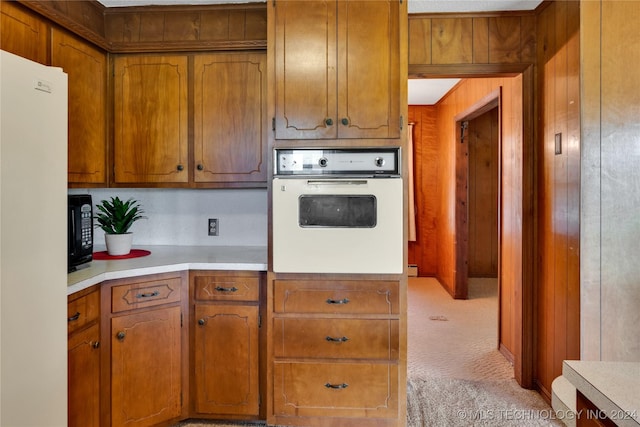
<point x="149" y="295"/>
<point x="74" y="317"/>
<point x="201" y="322"/>
<point x="120" y="335"/>
<point x="345" y="121"/>
<point x="336" y="386"/>
<point x="200" y="167"/>
<point x="95" y="344"/>
<point x="222" y="289"/>
<point x="180" y="168"/>
<point x="338" y="301"/>
<point x="329" y="121"/>
<point x="337" y="339"/>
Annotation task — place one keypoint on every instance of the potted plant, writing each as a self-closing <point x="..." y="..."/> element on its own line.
<point x="115" y="217"/>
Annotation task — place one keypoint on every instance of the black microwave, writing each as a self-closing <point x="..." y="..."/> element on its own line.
<point x="80" y="231"/>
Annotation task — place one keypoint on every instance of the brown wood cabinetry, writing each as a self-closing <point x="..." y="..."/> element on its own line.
<point x="337" y="69"/>
<point x="83" y="315"/>
<point x="86" y="67"/>
<point x="336" y="350"/>
<point x="230" y="123"/>
<point x="146" y="339"/>
<point x="23" y="32"/>
<point x="150" y="120"/>
<point x="225" y="344"/>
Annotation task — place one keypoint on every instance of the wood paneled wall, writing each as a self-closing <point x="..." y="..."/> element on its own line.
<point x="445" y="39"/>
<point x="424" y="251"/>
<point x="464" y="96"/>
<point x="212" y="27"/>
<point x="558" y="170"/>
<point x="160" y="28"/>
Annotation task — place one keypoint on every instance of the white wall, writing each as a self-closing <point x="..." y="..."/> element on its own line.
<point x="610" y="181"/>
<point x="180" y="216"/>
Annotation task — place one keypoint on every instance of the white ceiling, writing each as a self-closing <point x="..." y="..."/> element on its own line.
<point x="421" y="91"/>
<point x="414" y="6"/>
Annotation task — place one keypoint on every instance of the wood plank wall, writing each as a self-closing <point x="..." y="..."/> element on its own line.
<point x="160" y="28"/>
<point x="424" y="251"/>
<point x="558" y="195"/>
<point x="445" y="39"/>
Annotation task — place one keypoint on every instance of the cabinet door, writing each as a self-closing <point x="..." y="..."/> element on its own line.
<point x="305" y="73"/>
<point x="230" y="118"/>
<point x="226" y="359"/>
<point x="145" y="367"/>
<point x="151" y="119"/>
<point x="337" y="69"/>
<point x="84" y="378"/>
<point x="369" y="69"/>
<point x="22" y="33"/>
<point x="86" y="67"/>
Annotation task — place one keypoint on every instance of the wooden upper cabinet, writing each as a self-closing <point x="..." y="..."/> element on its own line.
<point x="86" y="67"/>
<point x="22" y="33"/>
<point x="230" y="122"/>
<point x="150" y="119"/>
<point x="337" y="69"/>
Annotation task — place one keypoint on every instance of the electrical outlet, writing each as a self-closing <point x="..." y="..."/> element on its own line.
<point x="213" y="226"/>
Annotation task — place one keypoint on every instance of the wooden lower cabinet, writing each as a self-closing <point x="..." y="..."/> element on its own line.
<point x="147" y="341"/>
<point x="83" y="359"/>
<point x="146" y="381"/>
<point x="226" y="360"/>
<point x="225" y="349"/>
<point x="336" y="389"/>
<point x="335" y="348"/>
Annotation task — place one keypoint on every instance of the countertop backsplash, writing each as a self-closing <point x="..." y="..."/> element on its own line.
<point x="180" y="216"/>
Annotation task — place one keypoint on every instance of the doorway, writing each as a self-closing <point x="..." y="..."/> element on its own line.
<point x="514" y="93"/>
<point x="477" y="222"/>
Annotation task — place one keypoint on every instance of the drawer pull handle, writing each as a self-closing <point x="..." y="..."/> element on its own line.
<point x="336" y="386"/>
<point x="338" y="301"/>
<point x="221" y="289"/>
<point x="74" y="317"/>
<point x="341" y="339"/>
<point x="152" y="294"/>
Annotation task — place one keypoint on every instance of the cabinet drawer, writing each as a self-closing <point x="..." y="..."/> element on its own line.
<point x="345" y="297"/>
<point x="83" y="311"/>
<point x="227" y="288"/>
<point x="336" y="338"/>
<point x="145" y="294"/>
<point x="336" y="389"/>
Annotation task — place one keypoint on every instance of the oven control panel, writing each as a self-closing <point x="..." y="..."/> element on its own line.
<point x="348" y="161"/>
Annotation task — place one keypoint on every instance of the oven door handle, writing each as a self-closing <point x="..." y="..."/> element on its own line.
<point x="337" y="182"/>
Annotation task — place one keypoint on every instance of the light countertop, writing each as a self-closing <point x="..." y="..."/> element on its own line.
<point x="164" y="259"/>
<point x="614" y="387"/>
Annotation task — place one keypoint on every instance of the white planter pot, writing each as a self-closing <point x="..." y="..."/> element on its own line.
<point x="118" y="244"/>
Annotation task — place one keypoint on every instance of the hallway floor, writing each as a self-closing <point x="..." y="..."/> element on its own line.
<point x="454" y="338"/>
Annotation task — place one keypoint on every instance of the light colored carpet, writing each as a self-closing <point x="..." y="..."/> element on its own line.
<point x="457" y="377"/>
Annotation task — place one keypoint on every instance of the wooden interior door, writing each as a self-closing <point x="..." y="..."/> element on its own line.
<point x="483" y="194"/>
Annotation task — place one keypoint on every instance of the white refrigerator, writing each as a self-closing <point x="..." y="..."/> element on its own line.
<point x="33" y="250"/>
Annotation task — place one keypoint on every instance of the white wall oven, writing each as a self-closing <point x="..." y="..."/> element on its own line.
<point x="337" y="211"/>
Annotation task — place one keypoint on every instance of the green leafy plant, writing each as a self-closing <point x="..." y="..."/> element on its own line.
<point x="116" y="216"/>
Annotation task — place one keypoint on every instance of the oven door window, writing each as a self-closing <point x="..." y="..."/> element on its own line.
<point x="337" y="211"/>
